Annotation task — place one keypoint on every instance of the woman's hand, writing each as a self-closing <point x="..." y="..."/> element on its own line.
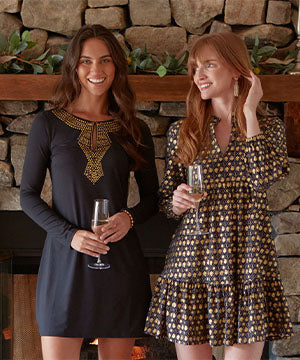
<point x="117" y="227"/>
<point x="88" y="243"/>
<point x="182" y="200"/>
<point x="254" y="95"/>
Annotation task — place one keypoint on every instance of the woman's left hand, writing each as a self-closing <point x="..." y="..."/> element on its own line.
<point x="254" y="95"/>
<point x="118" y="226"/>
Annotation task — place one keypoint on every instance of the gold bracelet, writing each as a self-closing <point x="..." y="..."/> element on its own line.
<point x="130" y="217"/>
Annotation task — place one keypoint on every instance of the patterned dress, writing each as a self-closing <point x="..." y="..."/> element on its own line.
<point x="224" y="288"/>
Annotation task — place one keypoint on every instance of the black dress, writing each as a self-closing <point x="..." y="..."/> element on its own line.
<point x="72" y="299"/>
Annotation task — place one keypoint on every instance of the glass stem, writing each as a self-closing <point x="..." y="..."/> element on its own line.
<point x="99" y="259"/>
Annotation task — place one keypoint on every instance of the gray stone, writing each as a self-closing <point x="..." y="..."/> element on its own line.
<point x="133" y="192"/>
<point x="287" y="244"/>
<point x="294" y="207"/>
<point x="286" y="223"/>
<point x="279" y="12"/>
<point x="286" y="358"/>
<point x="9" y="198"/>
<point x="173" y="109"/>
<point x="3" y="148"/>
<point x="268" y="34"/>
<point x="160" y="145"/>
<point x="48" y="106"/>
<point x="160" y="167"/>
<point x="157" y="40"/>
<point x="10" y="6"/>
<point x="294" y="2"/>
<point x="145" y="12"/>
<point x="146" y="105"/>
<point x="22" y="124"/>
<point x="104" y="3"/>
<point x="269" y="109"/>
<point x="158" y="125"/>
<point x="63" y="17"/>
<point x="111" y="18"/>
<point x="245" y="12"/>
<point x="17" y="153"/>
<point x="54" y="43"/>
<point x="218" y="26"/>
<point x="14" y="107"/>
<point x="9" y="23"/>
<point x="288" y="347"/>
<point x="6" y="175"/>
<point x="46" y="193"/>
<point x="294" y="307"/>
<point x="121" y="40"/>
<point x="191" y="41"/>
<point x="285" y="192"/>
<point x="40" y="37"/>
<point x="289" y="270"/>
<point x="194" y="15"/>
<point x="294" y="160"/>
<point x="1" y="129"/>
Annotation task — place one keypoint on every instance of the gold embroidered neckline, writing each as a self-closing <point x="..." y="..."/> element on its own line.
<point x="93" y="152"/>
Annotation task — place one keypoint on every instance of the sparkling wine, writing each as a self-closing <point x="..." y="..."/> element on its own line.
<point x="97" y="225"/>
<point x="197" y="192"/>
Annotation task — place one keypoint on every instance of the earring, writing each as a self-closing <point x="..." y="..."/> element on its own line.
<point x="236" y="87"/>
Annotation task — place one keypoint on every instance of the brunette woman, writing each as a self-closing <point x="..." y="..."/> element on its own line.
<point x="222" y="287"/>
<point x="90" y="142"/>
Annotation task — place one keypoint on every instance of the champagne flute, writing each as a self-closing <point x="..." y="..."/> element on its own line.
<point x="195" y="181"/>
<point x="100" y="218"/>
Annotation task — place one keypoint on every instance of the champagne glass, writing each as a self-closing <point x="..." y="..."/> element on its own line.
<point x="195" y="181"/>
<point x="99" y="219"/>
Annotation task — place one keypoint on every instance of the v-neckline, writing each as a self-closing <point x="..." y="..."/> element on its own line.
<point x="214" y="124"/>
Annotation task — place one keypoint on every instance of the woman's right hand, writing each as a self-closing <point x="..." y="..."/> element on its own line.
<point x="88" y="243"/>
<point x="182" y="200"/>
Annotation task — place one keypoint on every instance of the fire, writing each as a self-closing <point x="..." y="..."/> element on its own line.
<point x="138" y="352"/>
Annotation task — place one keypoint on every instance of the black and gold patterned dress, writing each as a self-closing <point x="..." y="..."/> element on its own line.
<point x="86" y="162"/>
<point x="224" y="288"/>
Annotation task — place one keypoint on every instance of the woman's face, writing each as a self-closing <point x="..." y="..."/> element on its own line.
<point x="212" y="76"/>
<point x="95" y="69"/>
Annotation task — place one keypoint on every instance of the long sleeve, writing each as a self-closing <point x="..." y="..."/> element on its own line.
<point x="174" y="173"/>
<point x="37" y="160"/>
<point x="266" y="155"/>
<point x="147" y="181"/>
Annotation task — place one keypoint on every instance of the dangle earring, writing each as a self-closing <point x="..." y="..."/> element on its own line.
<point x="236" y="87"/>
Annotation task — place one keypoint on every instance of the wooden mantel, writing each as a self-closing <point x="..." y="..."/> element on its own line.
<point x="277" y="88"/>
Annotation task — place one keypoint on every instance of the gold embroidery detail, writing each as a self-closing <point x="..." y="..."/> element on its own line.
<point x="94" y="155"/>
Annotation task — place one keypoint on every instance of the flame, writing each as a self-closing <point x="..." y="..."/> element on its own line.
<point x="138" y="352"/>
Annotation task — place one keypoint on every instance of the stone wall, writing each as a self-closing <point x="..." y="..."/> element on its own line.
<point x="161" y="25"/>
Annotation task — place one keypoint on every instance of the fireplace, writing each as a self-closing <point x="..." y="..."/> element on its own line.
<point x="21" y="243"/>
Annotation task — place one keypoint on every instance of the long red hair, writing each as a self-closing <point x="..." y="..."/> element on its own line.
<point x="194" y="137"/>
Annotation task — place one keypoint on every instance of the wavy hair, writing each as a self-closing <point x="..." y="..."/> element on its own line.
<point x="194" y="137"/>
<point x="121" y="99"/>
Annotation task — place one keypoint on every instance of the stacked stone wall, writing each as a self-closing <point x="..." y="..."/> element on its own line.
<point x="161" y="25"/>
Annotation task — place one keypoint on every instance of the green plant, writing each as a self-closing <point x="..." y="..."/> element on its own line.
<point x="12" y="59"/>
<point x="143" y="62"/>
<point x="264" y="62"/>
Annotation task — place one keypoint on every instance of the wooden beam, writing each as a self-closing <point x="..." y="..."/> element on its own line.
<point x="277" y="88"/>
<point x="292" y="124"/>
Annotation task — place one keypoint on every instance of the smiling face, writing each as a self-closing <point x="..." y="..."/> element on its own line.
<point x="95" y="70"/>
<point x="212" y="76"/>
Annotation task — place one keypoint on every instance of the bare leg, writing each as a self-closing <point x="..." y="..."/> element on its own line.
<point x="244" y="351"/>
<point x="61" y="348"/>
<point x="115" y="348"/>
<point x="193" y="352"/>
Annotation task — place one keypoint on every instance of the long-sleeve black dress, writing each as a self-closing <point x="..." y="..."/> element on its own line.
<point x="72" y="299"/>
<point x="224" y="288"/>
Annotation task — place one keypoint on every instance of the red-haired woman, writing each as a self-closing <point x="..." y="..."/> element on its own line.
<point x="222" y="287"/>
<point x="90" y="142"/>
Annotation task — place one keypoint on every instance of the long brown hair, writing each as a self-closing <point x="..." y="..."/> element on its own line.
<point x="121" y="99"/>
<point x="194" y="137"/>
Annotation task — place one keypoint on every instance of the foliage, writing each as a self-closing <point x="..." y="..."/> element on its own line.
<point x="143" y="62"/>
<point x="13" y="60"/>
<point x="264" y="62"/>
